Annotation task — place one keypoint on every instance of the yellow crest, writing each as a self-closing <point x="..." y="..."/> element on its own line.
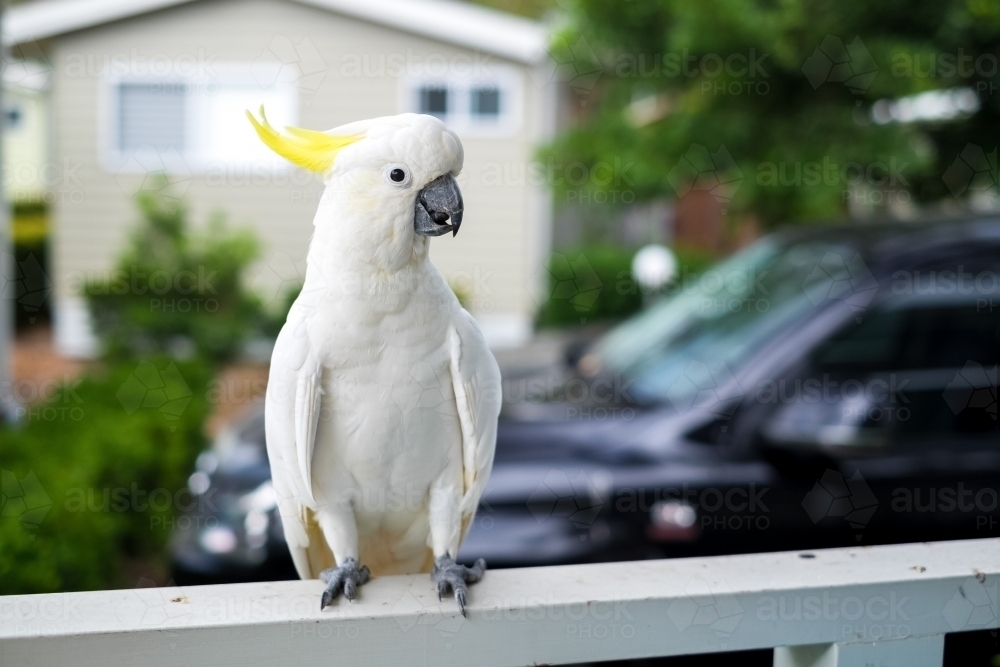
<point x="308" y="149"/>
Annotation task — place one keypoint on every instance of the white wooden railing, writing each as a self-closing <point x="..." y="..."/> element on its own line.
<point x="885" y="606"/>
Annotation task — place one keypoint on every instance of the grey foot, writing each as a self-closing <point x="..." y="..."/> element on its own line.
<point x="345" y="578"/>
<point x="449" y="575"/>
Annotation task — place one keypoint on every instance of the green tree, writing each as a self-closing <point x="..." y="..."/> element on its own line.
<point x="529" y="8"/>
<point x="95" y="474"/>
<point x="177" y="292"/>
<point x="773" y="98"/>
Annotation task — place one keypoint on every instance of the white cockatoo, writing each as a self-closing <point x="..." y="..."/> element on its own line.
<point x="383" y="398"/>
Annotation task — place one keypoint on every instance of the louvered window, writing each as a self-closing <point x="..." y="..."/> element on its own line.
<point x="152" y="114"/>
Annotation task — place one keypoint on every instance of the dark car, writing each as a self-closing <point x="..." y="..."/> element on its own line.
<point x="824" y="387"/>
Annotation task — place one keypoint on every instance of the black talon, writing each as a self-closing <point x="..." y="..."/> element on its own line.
<point x="346" y="578"/>
<point x="450" y="575"/>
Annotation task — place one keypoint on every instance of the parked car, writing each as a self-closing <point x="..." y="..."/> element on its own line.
<point x="824" y="387"/>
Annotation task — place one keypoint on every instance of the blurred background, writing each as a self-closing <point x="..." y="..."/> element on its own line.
<point x="738" y="262"/>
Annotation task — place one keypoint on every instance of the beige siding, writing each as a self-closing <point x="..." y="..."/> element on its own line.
<point x="27" y="174"/>
<point x="499" y="239"/>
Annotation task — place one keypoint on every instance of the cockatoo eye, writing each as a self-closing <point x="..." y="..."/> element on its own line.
<point x="397" y="175"/>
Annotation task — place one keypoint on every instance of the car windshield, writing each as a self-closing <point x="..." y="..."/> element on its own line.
<point x="696" y="338"/>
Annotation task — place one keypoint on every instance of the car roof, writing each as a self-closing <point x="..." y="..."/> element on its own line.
<point x="893" y="241"/>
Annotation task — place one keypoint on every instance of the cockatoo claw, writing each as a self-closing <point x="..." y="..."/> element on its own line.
<point x="346" y="578"/>
<point x="449" y="575"/>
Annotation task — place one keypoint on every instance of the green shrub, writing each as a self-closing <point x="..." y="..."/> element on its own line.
<point x="79" y="471"/>
<point x="178" y="292"/>
<point x="32" y="287"/>
<point x="595" y="283"/>
<point x="691" y="262"/>
<point x="588" y="284"/>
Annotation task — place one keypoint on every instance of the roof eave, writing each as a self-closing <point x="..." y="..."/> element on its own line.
<point x="469" y="26"/>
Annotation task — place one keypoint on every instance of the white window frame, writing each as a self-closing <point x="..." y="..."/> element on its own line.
<point x="505" y="78"/>
<point x="192" y="158"/>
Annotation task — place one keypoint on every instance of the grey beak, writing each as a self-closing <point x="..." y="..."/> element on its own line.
<point x="439" y="208"/>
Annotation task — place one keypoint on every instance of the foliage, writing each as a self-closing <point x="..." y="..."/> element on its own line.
<point x="178" y="292"/>
<point x="32" y="287"/>
<point x="691" y="262"/>
<point x="594" y="282"/>
<point x="758" y="92"/>
<point x="529" y="8"/>
<point x="31" y="283"/>
<point x="587" y="284"/>
<point x="31" y="222"/>
<point x="80" y="472"/>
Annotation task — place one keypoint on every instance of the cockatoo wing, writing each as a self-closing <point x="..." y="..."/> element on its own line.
<point x="291" y="416"/>
<point x="476" y="380"/>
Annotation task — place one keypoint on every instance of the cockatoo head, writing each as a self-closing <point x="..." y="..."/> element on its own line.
<point x="390" y="181"/>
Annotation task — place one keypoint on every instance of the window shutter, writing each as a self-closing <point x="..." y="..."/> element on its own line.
<point x="151" y="114"/>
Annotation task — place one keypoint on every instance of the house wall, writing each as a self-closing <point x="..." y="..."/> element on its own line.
<point x="506" y="223"/>
<point x="27" y="172"/>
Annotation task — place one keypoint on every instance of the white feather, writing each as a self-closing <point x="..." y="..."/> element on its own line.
<point x="383" y="397"/>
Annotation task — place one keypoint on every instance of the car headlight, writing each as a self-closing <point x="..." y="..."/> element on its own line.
<point x="218" y="540"/>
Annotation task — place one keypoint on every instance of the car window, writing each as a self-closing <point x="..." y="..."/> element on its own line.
<point x="921" y="366"/>
<point x="702" y="334"/>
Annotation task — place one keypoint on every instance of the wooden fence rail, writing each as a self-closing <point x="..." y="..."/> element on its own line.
<point x="884" y="606"/>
